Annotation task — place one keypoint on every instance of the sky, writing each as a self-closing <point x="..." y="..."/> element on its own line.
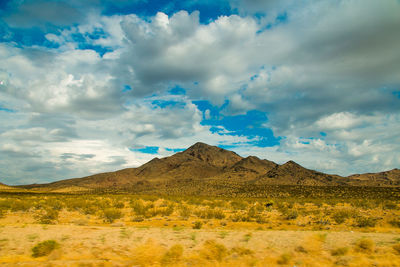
<point x="100" y="85"/>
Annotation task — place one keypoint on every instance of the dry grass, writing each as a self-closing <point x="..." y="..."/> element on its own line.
<point x="128" y="230"/>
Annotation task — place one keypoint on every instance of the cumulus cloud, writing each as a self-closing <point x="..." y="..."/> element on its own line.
<point x="179" y="49"/>
<point x="325" y="73"/>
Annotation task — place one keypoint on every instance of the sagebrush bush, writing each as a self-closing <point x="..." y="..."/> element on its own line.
<point x="44" y="248"/>
<point x="112" y="214"/>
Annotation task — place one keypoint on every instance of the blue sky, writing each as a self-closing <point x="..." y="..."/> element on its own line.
<point x="100" y="85"/>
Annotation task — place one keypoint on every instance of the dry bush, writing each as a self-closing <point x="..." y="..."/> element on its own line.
<point x="184" y="211"/>
<point x="284" y="259"/>
<point x="340" y="251"/>
<point x="49" y="216"/>
<point x="44" y="248"/>
<point x="119" y="205"/>
<point x="173" y="255"/>
<point x="241" y="251"/>
<point x="21" y="205"/>
<point x="197" y="225"/>
<point x="313" y="244"/>
<point x="55" y="204"/>
<point x="396" y="248"/>
<point x="239" y="205"/>
<point x="390" y="205"/>
<point x="290" y="214"/>
<point x="140" y="208"/>
<point x="365" y="222"/>
<point x="395" y="222"/>
<point x="111" y="214"/>
<point x="364" y="245"/>
<point x="247" y="237"/>
<point x="210" y="213"/>
<point x="213" y="251"/>
<point x="342" y="215"/>
<point x="147" y="254"/>
<point x="5" y="204"/>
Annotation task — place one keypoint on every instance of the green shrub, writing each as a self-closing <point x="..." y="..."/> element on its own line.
<point x="341" y="216"/>
<point x="197" y="225"/>
<point x="44" y="248"/>
<point x="5" y="204"/>
<point x="49" y="217"/>
<point x="365" y="221"/>
<point x="140" y="208"/>
<point x="21" y="205"/>
<point x="112" y="214"/>
<point x="395" y="222"/>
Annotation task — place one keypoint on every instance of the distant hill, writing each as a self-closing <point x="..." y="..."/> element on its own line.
<point x="203" y="169"/>
<point x="387" y="178"/>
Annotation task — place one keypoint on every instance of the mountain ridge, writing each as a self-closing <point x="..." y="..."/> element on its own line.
<point x="202" y="164"/>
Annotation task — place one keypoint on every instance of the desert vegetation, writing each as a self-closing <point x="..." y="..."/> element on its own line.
<point x="149" y="230"/>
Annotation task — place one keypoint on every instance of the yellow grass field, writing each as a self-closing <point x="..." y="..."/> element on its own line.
<point x="130" y="230"/>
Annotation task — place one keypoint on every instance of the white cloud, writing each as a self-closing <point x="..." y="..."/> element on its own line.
<point x="331" y="67"/>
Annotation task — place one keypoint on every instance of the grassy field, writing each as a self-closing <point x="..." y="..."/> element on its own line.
<point x="147" y="230"/>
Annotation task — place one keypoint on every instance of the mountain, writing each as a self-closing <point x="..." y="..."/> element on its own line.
<point x="7" y="188"/>
<point x="387" y="178"/>
<point x="292" y="173"/>
<point x="205" y="169"/>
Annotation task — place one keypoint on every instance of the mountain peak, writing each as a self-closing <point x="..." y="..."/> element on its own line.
<point x="212" y="154"/>
<point x="199" y="145"/>
<point x="291" y="163"/>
